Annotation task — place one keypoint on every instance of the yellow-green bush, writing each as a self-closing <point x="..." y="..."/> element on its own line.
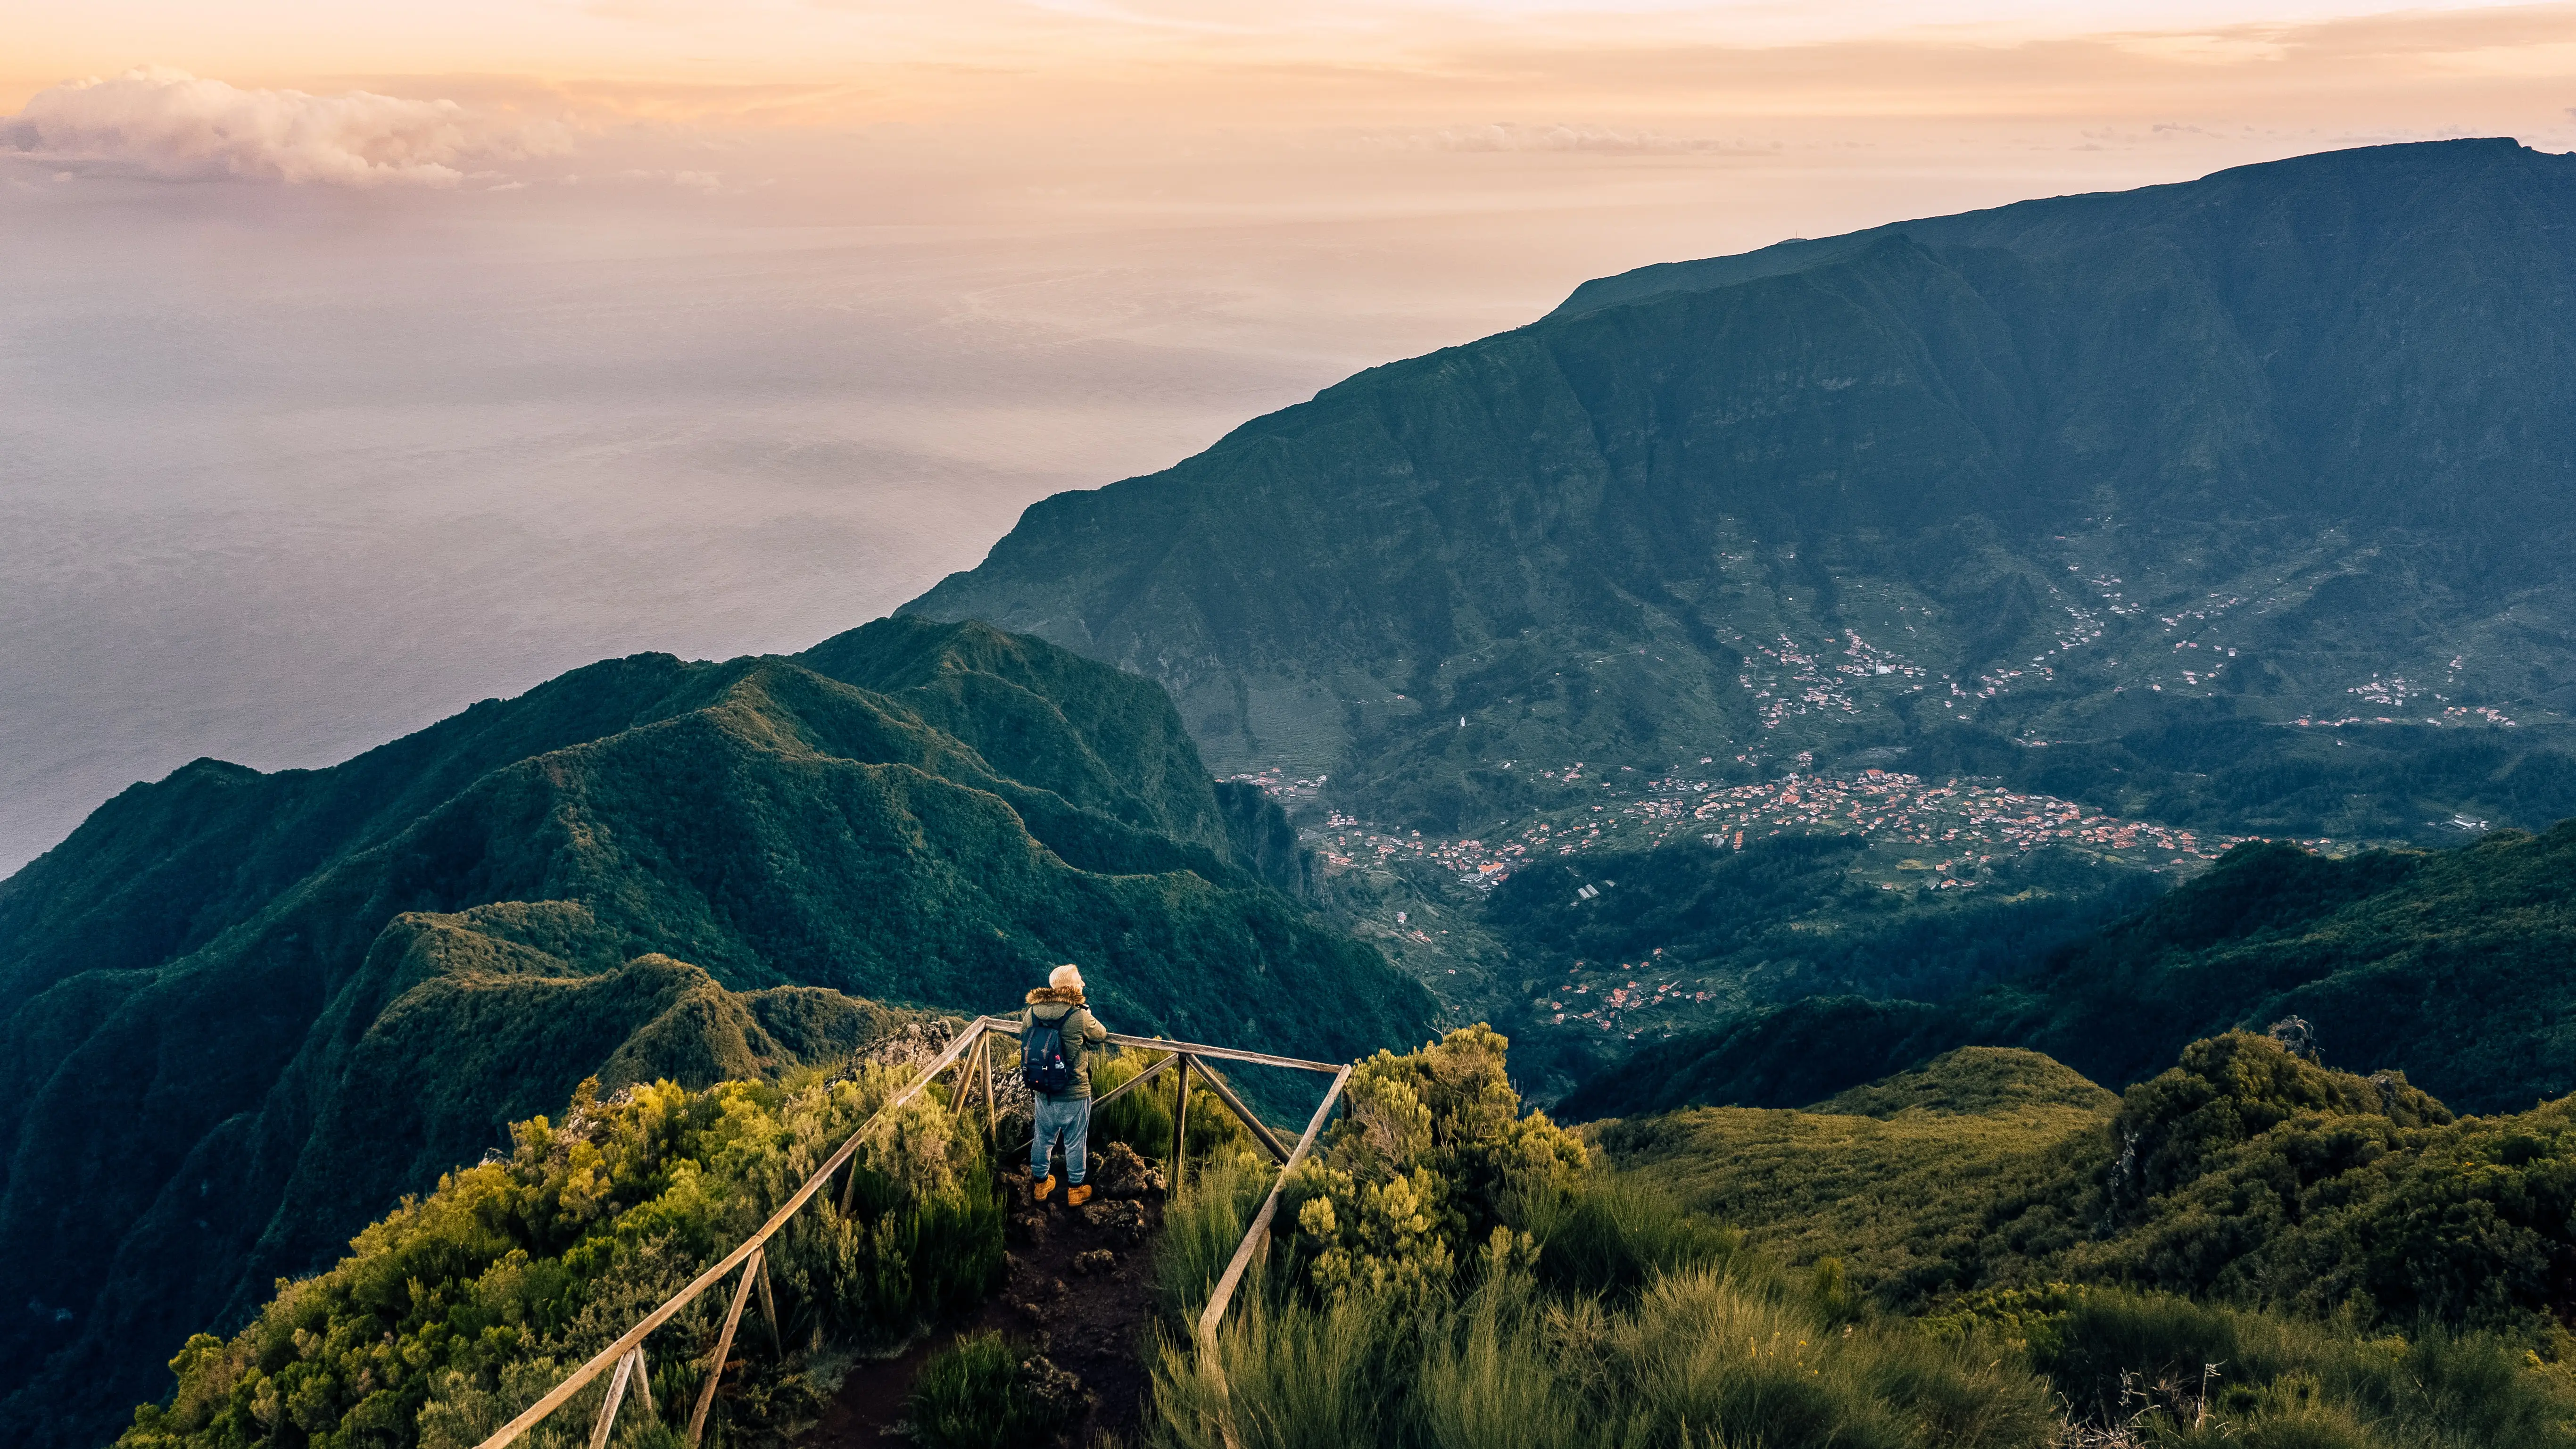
<point x="1425" y="1171"/>
<point x="461" y="1308"/>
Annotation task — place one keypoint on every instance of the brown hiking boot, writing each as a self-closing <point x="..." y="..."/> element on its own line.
<point x="1078" y="1196"/>
<point x="1045" y="1185"/>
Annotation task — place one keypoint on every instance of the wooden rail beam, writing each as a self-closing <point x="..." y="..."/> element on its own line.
<point x="769" y="1307"/>
<point x="1259" y="1231"/>
<point x="1260" y="1130"/>
<point x="606" y="1358"/>
<point x="1132" y="1083"/>
<point x="626" y="1371"/>
<point x="1010" y="1026"/>
<point x="992" y="1104"/>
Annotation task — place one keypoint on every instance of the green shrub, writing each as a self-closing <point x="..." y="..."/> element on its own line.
<point x="457" y="1310"/>
<point x="2165" y="1369"/>
<point x="968" y="1397"/>
<point x="1417" y="1180"/>
<point x="1461" y="1275"/>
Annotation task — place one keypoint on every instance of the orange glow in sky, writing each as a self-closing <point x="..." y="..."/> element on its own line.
<point x="678" y="324"/>
<point x="1769" y="117"/>
<point x="1083" y="65"/>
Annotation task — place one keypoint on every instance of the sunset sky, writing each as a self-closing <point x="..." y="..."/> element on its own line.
<point x="1098" y="87"/>
<point x="363" y="361"/>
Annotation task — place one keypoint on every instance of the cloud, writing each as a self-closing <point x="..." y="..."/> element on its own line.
<point x="170" y="124"/>
<point x="1505" y="136"/>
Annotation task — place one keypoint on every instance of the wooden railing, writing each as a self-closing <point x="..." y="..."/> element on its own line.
<point x="625" y="1358"/>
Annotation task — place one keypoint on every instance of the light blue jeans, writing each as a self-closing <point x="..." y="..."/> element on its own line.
<point x="1068" y="1118"/>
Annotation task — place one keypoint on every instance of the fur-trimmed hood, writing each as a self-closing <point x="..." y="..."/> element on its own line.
<point x="1053" y="995"/>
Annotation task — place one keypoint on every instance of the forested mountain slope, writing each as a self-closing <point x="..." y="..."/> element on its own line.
<point x="2450" y="966"/>
<point x="2235" y="504"/>
<point x="245" y="1012"/>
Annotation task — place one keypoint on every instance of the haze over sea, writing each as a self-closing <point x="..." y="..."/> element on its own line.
<point x="288" y="468"/>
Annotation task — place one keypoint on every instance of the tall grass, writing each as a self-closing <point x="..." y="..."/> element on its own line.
<point x="1616" y="1232"/>
<point x="968" y="1396"/>
<point x="1294" y="1377"/>
<point x="1700" y="1358"/>
<point x="1202" y="1225"/>
<point x="2163" y="1369"/>
<point x="1644" y="1330"/>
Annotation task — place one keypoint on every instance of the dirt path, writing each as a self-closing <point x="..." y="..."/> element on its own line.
<point x="1079" y="1292"/>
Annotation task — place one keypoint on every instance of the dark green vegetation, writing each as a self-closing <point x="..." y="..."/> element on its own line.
<point x="246" y="1012"/>
<point x="460" y="1309"/>
<point x="2154" y="1369"/>
<point x="1708" y="933"/>
<point x="1986" y="1252"/>
<point x="2345" y="1252"/>
<point x="2244" y="1175"/>
<point x="2449" y="966"/>
<point x="457" y="1310"/>
<point x="2147" y="477"/>
<point x="970" y="1396"/>
<point x="1464" y="1276"/>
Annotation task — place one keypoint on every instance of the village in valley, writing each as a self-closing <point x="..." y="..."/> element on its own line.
<point x="1958" y="824"/>
<point x="1417" y="895"/>
<point x="1922" y="846"/>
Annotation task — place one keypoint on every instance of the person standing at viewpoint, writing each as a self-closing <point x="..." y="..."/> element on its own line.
<point x="1057" y="1032"/>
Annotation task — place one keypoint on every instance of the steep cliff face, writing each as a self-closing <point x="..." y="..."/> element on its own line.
<point x="245" y="1012"/>
<point x="2170" y="480"/>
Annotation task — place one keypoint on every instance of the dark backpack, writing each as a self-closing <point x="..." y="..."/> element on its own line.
<point x="1042" y="1060"/>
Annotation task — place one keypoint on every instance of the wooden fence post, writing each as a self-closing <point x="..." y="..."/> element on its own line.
<point x="1181" y="1122"/>
<point x="769" y="1308"/>
<point x="608" y="1406"/>
<point x="724" y="1346"/>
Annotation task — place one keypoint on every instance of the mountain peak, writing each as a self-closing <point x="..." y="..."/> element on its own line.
<point x="2110" y="474"/>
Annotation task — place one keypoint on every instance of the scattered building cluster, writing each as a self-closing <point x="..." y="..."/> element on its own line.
<point x="1973" y="820"/>
<point x="1612" y="997"/>
<point x="2394" y="691"/>
<point x="1964" y="823"/>
<point x="1801" y="685"/>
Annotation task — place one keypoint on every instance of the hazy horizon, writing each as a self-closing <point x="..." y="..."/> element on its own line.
<point x="341" y="398"/>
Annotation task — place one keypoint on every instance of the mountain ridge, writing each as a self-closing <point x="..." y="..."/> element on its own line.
<point x="649" y="868"/>
<point x="2271" y="455"/>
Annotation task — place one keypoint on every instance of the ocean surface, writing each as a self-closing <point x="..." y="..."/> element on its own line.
<point x="285" y="474"/>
